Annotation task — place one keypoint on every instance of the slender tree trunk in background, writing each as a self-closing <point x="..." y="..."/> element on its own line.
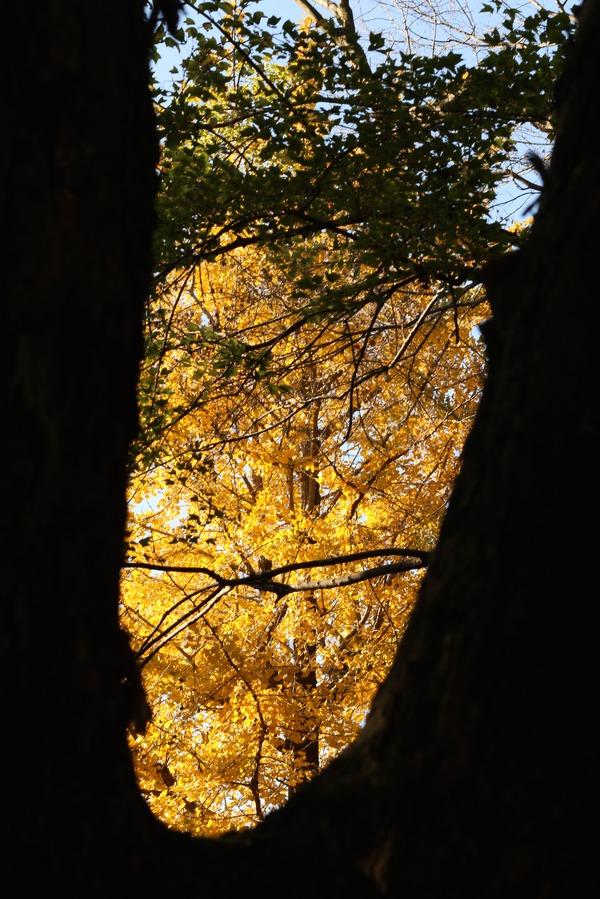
<point x="477" y="773"/>
<point x="304" y="746"/>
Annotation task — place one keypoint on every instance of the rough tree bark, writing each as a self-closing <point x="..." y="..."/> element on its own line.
<point x="78" y="172"/>
<point x="476" y="775"/>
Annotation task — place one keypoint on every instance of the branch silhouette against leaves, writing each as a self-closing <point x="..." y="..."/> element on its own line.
<point x="413" y="560"/>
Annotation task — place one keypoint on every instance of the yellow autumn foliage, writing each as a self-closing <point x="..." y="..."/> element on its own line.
<point x="341" y="436"/>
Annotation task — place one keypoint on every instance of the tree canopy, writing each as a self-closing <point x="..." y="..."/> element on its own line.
<point x="312" y="368"/>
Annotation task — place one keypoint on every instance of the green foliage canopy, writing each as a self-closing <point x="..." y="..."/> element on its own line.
<point x="276" y="131"/>
<point x="304" y="140"/>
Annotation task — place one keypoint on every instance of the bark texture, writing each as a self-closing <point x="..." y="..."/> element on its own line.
<point x="78" y="176"/>
<point x="476" y="774"/>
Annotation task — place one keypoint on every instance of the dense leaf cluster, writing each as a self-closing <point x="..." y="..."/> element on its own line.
<point x="312" y="368"/>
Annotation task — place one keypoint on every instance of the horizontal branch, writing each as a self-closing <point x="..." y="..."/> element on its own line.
<point x="413" y="559"/>
<point x="344" y="580"/>
<point x="259" y="580"/>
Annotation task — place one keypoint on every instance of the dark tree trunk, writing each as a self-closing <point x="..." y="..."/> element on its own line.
<point x="78" y="168"/>
<point x="476" y="775"/>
